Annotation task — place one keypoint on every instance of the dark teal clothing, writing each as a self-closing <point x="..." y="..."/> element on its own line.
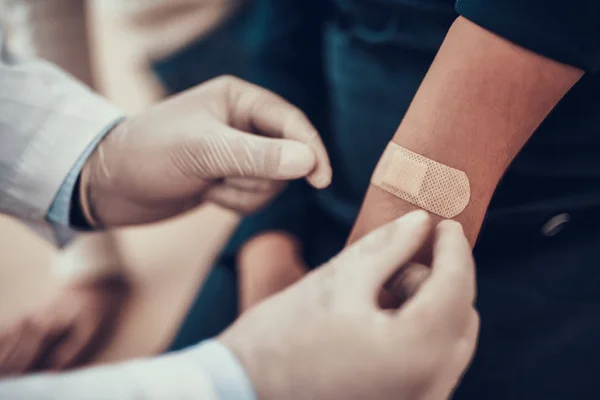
<point x="354" y="67"/>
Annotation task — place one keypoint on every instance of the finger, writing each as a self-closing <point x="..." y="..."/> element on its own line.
<point x="257" y="109"/>
<point x="240" y="201"/>
<point x="52" y="333"/>
<point x="74" y="345"/>
<point x="26" y="349"/>
<point x="449" y="293"/>
<point x="8" y="343"/>
<point x="407" y="280"/>
<point x="254" y="184"/>
<point x="233" y="154"/>
<point x="8" y="339"/>
<point x="33" y="337"/>
<point x="371" y="261"/>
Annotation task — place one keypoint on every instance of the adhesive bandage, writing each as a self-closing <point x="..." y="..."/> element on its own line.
<point x="432" y="186"/>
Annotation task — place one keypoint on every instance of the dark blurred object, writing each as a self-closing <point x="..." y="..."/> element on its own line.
<point x="213" y="308"/>
<point x="223" y="51"/>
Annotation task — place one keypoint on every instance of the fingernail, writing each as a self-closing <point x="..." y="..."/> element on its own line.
<point x="322" y="179"/>
<point x="296" y="160"/>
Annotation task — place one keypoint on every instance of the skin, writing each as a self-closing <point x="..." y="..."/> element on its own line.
<point x="267" y="264"/>
<point x="480" y="102"/>
<point x="212" y="143"/>
<point x="66" y="332"/>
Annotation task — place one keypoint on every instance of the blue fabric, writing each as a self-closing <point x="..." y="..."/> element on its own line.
<point x="225" y="372"/>
<point x="59" y="210"/>
<point x="213" y="309"/>
<point x="226" y="46"/>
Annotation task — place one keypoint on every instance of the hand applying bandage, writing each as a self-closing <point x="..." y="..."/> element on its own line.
<point x="322" y="338"/>
<point x="226" y="142"/>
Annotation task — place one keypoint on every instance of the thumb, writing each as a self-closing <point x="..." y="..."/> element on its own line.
<point x="240" y="154"/>
<point x="370" y="262"/>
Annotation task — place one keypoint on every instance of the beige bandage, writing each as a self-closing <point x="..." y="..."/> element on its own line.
<point x="432" y="186"/>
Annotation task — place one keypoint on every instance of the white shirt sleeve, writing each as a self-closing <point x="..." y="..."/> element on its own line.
<point x="206" y="371"/>
<point x="47" y="120"/>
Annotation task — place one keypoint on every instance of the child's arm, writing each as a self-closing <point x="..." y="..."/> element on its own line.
<point x="481" y="100"/>
<point x="267" y="264"/>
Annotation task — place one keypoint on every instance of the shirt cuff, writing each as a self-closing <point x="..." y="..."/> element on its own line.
<point x="60" y="208"/>
<point x="228" y="378"/>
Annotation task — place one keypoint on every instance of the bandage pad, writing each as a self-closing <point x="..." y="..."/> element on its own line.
<point x="434" y="187"/>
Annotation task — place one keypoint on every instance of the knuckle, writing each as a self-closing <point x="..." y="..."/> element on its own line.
<point x="469" y="325"/>
<point x="464" y="352"/>
<point x="245" y="203"/>
<point x="474" y="327"/>
<point x="476" y="318"/>
<point x="226" y="80"/>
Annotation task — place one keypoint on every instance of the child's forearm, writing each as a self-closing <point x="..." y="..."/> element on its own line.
<point x="481" y="100"/>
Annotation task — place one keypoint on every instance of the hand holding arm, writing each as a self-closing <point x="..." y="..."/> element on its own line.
<point x="226" y="142"/>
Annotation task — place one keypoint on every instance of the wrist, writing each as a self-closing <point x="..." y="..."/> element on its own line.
<point x="227" y="374"/>
<point x="95" y="183"/>
<point x="84" y="195"/>
<point x="256" y="361"/>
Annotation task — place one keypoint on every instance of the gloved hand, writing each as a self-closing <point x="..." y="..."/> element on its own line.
<point x="324" y="337"/>
<point x="226" y="141"/>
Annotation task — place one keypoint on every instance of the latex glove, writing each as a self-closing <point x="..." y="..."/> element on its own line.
<point x="326" y="337"/>
<point x="226" y="141"/>
<point x="64" y="333"/>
